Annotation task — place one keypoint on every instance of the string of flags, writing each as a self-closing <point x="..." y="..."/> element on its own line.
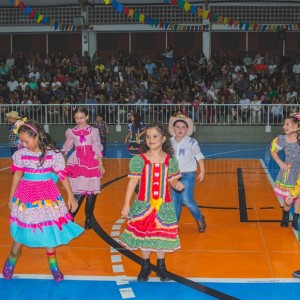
<point x="153" y="22"/>
<point x="201" y="13"/>
<point x="43" y="19"/>
<point x="161" y="24"/>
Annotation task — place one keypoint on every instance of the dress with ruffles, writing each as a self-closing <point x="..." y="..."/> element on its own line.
<point x="152" y="224"/>
<point x="83" y="166"/>
<point x="39" y="216"/>
<point x="285" y="181"/>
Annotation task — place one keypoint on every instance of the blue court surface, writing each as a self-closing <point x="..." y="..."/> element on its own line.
<point x="34" y="287"/>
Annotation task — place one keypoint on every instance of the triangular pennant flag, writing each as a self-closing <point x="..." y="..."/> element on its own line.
<point x="199" y="12"/>
<point x="187" y="6"/>
<point x="32" y="14"/>
<point x="193" y="9"/>
<point x="51" y="23"/>
<point x="22" y="6"/>
<point x="167" y="25"/>
<point x="39" y="19"/>
<point x="204" y="14"/>
<point x="120" y="8"/>
<point x="115" y="5"/>
<point x="106" y="2"/>
<point x="130" y="13"/>
<point x="136" y="16"/>
<point x="264" y="27"/>
<point x="17" y="2"/>
<point x="56" y="25"/>
<point x="142" y="18"/>
<point x="181" y="3"/>
<point x="126" y="10"/>
<point x="247" y="25"/>
<point x="27" y="10"/>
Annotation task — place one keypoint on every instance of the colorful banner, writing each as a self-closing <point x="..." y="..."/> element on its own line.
<point x="41" y="19"/>
<point x="152" y="22"/>
<point x="221" y="20"/>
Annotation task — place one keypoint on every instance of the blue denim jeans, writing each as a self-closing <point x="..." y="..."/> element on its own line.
<point x="186" y="196"/>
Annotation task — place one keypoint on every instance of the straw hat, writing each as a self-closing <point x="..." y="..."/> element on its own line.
<point x="188" y="121"/>
<point x="13" y="114"/>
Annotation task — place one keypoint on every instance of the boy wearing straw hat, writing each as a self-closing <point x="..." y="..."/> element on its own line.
<point x="189" y="155"/>
<point x="13" y="118"/>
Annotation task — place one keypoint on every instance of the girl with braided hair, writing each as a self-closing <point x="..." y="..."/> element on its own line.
<point x="289" y="167"/>
<point x="39" y="216"/>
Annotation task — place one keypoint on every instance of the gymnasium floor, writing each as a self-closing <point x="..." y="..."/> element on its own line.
<point x="244" y="253"/>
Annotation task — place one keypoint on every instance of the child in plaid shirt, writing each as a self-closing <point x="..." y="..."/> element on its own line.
<point x="13" y="118"/>
<point x="103" y="131"/>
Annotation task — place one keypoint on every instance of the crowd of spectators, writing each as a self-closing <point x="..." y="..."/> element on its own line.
<point x="187" y="81"/>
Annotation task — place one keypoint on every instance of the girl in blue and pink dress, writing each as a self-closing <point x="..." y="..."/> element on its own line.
<point x="39" y="216"/>
<point x="84" y="166"/>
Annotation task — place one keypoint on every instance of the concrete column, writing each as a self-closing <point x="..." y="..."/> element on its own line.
<point x="92" y="42"/>
<point x="206" y="38"/>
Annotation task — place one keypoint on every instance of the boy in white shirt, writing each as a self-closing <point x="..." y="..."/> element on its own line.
<point x="189" y="156"/>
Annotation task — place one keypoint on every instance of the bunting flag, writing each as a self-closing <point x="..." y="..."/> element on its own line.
<point x="156" y="23"/>
<point x="221" y="20"/>
<point x="41" y="19"/>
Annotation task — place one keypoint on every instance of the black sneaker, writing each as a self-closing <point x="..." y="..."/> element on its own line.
<point x="296" y="274"/>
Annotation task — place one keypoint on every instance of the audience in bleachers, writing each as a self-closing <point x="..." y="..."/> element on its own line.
<point x="67" y="78"/>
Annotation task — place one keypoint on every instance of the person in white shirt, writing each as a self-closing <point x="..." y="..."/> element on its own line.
<point x="291" y="94"/>
<point x="213" y="92"/>
<point x="277" y="112"/>
<point x="296" y="67"/>
<point x="244" y="108"/>
<point x="189" y="156"/>
<point x="256" y="110"/>
<point x="12" y="84"/>
<point x="142" y="108"/>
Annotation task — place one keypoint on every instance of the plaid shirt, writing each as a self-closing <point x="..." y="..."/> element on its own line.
<point x="13" y="137"/>
<point x="103" y="129"/>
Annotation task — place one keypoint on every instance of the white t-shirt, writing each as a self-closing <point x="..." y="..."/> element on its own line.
<point x="187" y="152"/>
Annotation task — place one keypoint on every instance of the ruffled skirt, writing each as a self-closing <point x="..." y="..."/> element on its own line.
<point x="83" y="171"/>
<point x="39" y="216"/>
<point x="151" y="230"/>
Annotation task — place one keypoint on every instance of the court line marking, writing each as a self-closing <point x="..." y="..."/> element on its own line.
<point x="3" y="169"/>
<point x="233" y="151"/>
<point x="153" y="279"/>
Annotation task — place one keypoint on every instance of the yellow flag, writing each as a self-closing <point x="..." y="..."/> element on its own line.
<point x="187" y="6"/>
<point x="40" y="18"/>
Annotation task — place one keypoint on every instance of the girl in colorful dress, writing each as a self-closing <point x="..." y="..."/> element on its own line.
<point x="294" y="196"/>
<point x="84" y="166"/>
<point x="136" y="129"/>
<point x="152" y="224"/>
<point x="39" y="217"/>
<point x="289" y="168"/>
